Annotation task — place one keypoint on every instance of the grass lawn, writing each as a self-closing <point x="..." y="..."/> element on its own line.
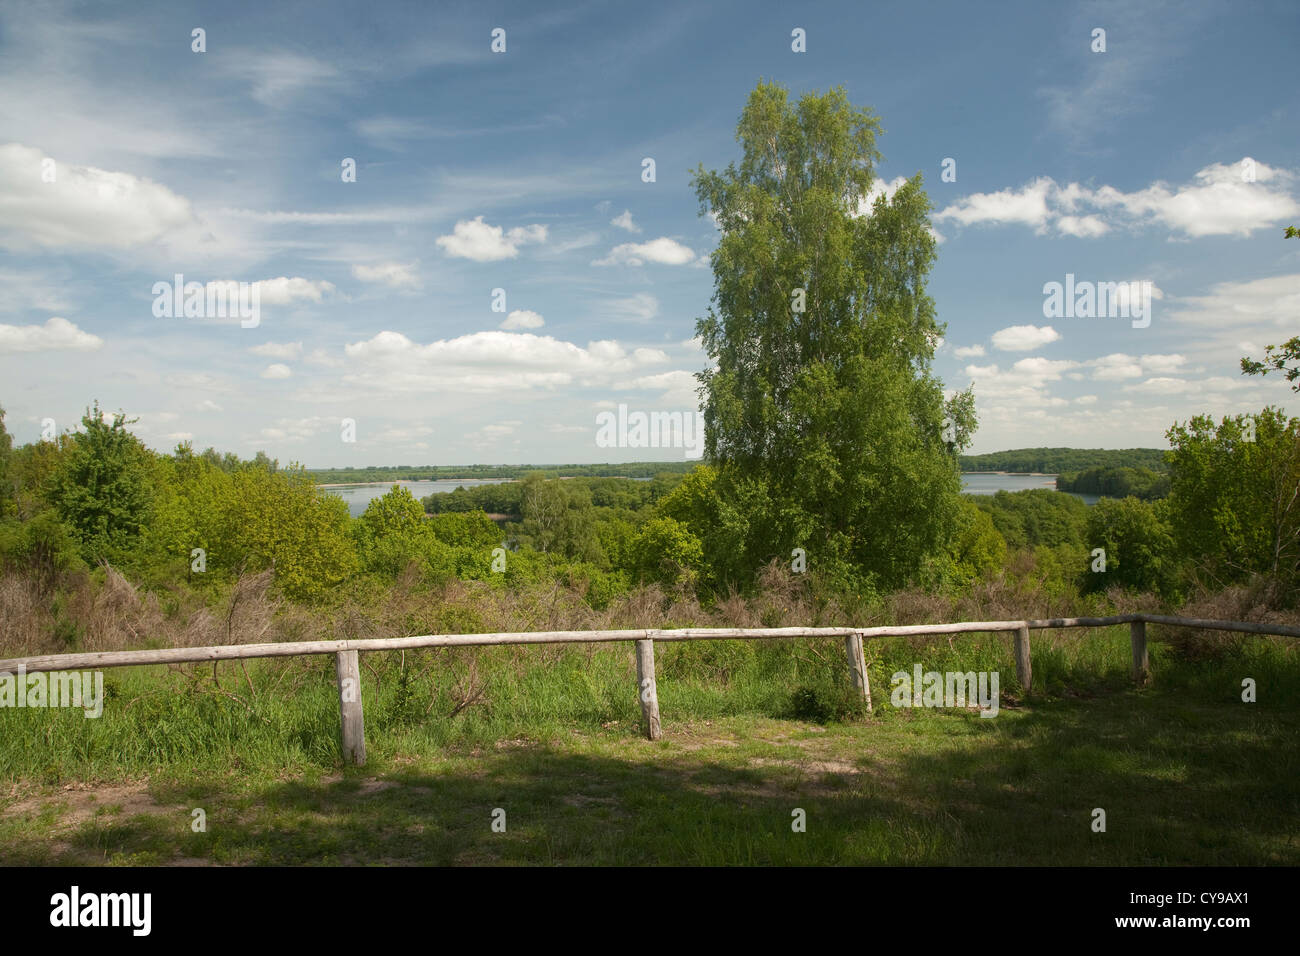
<point x="1186" y="774"/>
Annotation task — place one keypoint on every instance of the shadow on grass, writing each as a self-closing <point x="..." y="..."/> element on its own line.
<point x="1180" y="783"/>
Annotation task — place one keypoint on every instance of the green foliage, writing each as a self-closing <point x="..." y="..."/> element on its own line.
<point x="665" y="550"/>
<point x="1139" y="548"/>
<point x="821" y="413"/>
<point x="1053" y="461"/>
<point x="472" y="529"/>
<point x="1034" y="517"/>
<point x="43" y="545"/>
<point x="1116" y="483"/>
<point x="559" y="517"/>
<point x="1286" y="360"/>
<point x="8" y="495"/>
<point x="102" y="488"/>
<point x="977" y="549"/>
<point x="393" y="532"/>
<point x="1233" y="501"/>
<point x="826" y="703"/>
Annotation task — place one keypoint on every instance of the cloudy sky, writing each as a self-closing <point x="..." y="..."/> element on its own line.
<point x="128" y="158"/>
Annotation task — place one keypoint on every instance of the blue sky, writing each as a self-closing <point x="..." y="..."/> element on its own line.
<point x="1170" y="158"/>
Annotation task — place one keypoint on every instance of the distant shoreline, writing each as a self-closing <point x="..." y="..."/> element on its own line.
<point x="409" y="481"/>
<point x="501" y="481"/>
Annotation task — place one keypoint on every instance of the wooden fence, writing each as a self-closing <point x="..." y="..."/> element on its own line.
<point x="348" y="671"/>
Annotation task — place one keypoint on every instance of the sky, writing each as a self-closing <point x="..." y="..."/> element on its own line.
<point x="129" y="156"/>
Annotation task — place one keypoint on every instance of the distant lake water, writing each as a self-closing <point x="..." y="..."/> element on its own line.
<point x="991" y="482"/>
<point x="358" y="497"/>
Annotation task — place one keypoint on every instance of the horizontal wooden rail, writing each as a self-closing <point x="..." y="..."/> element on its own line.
<point x="231" y="652"/>
<point x="348" y="672"/>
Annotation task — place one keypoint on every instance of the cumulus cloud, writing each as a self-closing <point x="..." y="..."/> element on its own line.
<point x="84" y="208"/>
<point x="1119" y="366"/>
<point x="57" y="334"/>
<point x="663" y="251"/>
<point x="523" y="319"/>
<point x="284" y="290"/>
<point x="1233" y="199"/>
<point x="276" y="370"/>
<point x="968" y="351"/>
<point x="474" y="239"/>
<point x="1022" y="385"/>
<point x="624" y="221"/>
<point x="397" y="275"/>
<point x="1025" y="206"/>
<point x="492" y="361"/>
<point x="1023" y="338"/>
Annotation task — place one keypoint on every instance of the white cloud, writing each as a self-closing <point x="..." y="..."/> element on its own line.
<point x="1023" y="338"/>
<point x="398" y="275"/>
<point x="624" y="221"/>
<point x="286" y="291"/>
<point x="474" y="239"/>
<point x="492" y="361"/>
<point x="1111" y="368"/>
<point x="1219" y="202"/>
<point x="1026" y="205"/>
<point x="323" y="359"/>
<point x="523" y="319"/>
<point x="57" y="334"/>
<point x="1257" y="307"/>
<point x="280" y="350"/>
<point x="276" y="370"/>
<point x="968" y="351"/>
<point x="1162" y="363"/>
<point x="84" y="208"/>
<point x="664" y="251"/>
<point x="208" y="405"/>
<point x="1085" y="227"/>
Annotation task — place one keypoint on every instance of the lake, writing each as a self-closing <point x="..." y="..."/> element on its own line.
<point x="975" y="483"/>
<point x="359" y="497"/>
<point x="991" y="482"/>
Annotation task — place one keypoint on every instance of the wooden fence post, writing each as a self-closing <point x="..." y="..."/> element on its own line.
<point x="858" y="667"/>
<point x="1024" y="672"/>
<point x="352" y="720"/>
<point x="1141" y="664"/>
<point x="646" y="690"/>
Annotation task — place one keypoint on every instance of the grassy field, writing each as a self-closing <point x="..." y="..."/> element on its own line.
<point x="1186" y="772"/>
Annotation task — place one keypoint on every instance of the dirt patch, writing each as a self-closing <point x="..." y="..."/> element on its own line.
<point x="78" y="805"/>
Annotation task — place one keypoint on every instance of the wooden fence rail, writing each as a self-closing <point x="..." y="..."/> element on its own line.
<point x="347" y="665"/>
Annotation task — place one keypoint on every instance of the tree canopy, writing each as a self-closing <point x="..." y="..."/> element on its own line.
<point x="829" y="431"/>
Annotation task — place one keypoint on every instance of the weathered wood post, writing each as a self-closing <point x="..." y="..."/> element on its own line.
<point x="1024" y="672"/>
<point x="352" y="720"/>
<point x="858" y="667"/>
<point x="1141" y="664"/>
<point x="646" y="690"/>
